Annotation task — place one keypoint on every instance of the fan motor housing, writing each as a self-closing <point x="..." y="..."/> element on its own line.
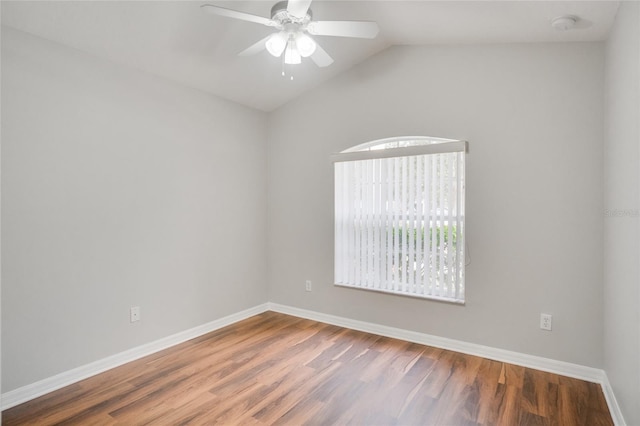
<point x="280" y="14"/>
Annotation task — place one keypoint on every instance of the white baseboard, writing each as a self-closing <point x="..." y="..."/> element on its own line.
<point x="577" y="371"/>
<point x="614" y="408"/>
<point x="531" y="361"/>
<point x="34" y="390"/>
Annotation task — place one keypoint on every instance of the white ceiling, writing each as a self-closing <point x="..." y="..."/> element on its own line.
<point x="174" y="39"/>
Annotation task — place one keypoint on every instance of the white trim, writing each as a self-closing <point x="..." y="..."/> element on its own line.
<point x="427" y="140"/>
<point x="50" y="384"/>
<point x="614" y="408"/>
<point x="437" y="148"/>
<point x="404" y="293"/>
<point x="531" y="361"/>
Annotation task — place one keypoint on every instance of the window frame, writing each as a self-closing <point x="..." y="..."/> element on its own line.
<point x="411" y="146"/>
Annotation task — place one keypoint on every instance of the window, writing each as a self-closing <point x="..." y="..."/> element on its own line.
<point x="399" y="217"/>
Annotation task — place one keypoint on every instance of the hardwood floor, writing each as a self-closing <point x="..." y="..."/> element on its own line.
<point x="278" y="369"/>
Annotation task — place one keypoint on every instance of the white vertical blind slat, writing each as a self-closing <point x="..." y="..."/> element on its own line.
<point x="433" y="223"/>
<point x="462" y="225"/>
<point x="419" y="224"/>
<point x="368" y="204"/>
<point x="428" y="288"/>
<point x="388" y="167"/>
<point x="450" y="206"/>
<point x="411" y="225"/>
<point x="338" y="207"/>
<point x="342" y="217"/>
<point x="403" y="229"/>
<point x="396" y="223"/>
<point x="441" y="207"/>
<point x="347" y="255"/>
<point x="364" y="234"/>
<point x="358" y="224"/>
<point x="353" y="255"/>
<point x="377" y="226"/>
<point x="454" y="224"/>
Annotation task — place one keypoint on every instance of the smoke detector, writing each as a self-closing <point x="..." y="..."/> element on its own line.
<point x="564" y="23"/>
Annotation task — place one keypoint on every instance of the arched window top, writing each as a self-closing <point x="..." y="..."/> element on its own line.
<point x="398" y="142"/>
<point x="400" y="146"/>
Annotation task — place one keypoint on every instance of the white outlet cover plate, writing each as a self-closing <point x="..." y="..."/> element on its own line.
<point x="546" y="321"/>
<point x="135" y="313"/>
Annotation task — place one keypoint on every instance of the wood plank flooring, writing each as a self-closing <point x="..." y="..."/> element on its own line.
<point x="283" y="370"/>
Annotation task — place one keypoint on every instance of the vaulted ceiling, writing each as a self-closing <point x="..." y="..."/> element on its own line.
<point x="176" y="40"/>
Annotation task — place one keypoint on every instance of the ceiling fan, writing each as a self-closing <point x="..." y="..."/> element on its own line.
<point x="293" y="21"/>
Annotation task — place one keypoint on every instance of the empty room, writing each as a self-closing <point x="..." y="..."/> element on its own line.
<point x="320" y="212"/>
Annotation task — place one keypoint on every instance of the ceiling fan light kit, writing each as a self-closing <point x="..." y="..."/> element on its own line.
<point x="293" y="20"/>
<point x="293" y="44"/>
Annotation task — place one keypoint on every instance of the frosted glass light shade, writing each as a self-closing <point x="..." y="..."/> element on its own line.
<point x="277" y="43"/>
<point x="291" y="54"/>
<point x="305" y="44"/>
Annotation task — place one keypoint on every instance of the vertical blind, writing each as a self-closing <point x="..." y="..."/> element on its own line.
<point x="399" y="220"/>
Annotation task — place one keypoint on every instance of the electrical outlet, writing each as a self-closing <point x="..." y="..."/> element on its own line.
<point x="134" y="313"/>
<point x="545" y="321"/>
<point x="307" y="285"/>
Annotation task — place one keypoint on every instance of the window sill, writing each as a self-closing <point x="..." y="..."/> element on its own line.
<point x="400" y="293"/>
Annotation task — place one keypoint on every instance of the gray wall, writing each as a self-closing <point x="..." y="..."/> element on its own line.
<point x="622" y="227"/>
<point x="123" y="189"/>
<point x="533" y="114"/>
<point x="119" y="189"/>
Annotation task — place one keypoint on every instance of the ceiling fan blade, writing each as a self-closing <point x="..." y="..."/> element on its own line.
<point x="229" y="13"/>
<point x="255" y="48"/>
<point x="359" y="29"/>
<point x="321" y="57"/>
<point x="298" y="8"/>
